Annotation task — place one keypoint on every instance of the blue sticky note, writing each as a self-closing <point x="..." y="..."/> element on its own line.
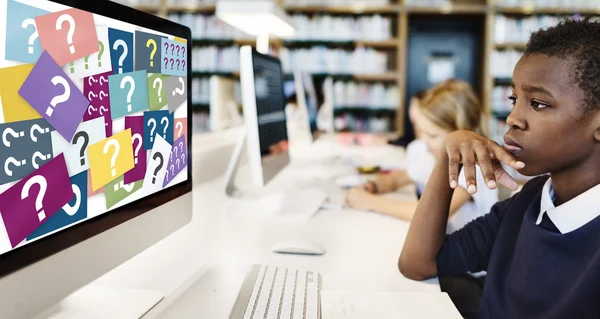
<point x="157" y="123"/>
<point x="22" y="42"/>
<point x="128" y="93"/>
<point x="74" y="211"/>
<point x="174" y="57"/>
<point x="121" y="50"/>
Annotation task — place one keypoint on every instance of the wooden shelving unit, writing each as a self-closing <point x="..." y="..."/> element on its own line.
<point x="401" y="13"/>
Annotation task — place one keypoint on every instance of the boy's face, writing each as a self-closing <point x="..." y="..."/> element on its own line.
<point x="546" y="128"/>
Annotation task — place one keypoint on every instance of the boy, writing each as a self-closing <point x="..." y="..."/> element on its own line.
<point x="540" y="248"/>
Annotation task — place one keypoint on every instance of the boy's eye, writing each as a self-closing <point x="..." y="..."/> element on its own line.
<point x="513" y="99"/>
<point x="538" y="105"/>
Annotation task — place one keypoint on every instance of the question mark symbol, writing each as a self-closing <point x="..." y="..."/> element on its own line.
<point x="166" y="48"/>
<point x="71" y="210"/>
<point x="59" y="23"/>
<point x="86" y="140"/>
<point x="183" y="51"/>
<point x="183" y="158"/>
<point x="153" y="43"/>
<point x="60" y="98"/>
<point x="113" y="159"/>
<point x="120" y="43"/>
<point x="179" y="126"/>
<point x="159" y="82"/>
<point x="181" y="146"/>
<point x="39" y="207"/>
<point x="166" y="62"/>
<point x="180" y="91"/>
<point x="100" y="53"/>
<point x="102" y="95"/>
<point x="125" y="80"/>
<point x="172" y="169"/>
<point x="137" y="137"/>
<point x="92" y="80"/>
<point x="172" y="49"/>
<point x="183" y="64"/>
<point x="85" y="60"/>
<point x="177" y="161"/>
<point x="152" y="121"/>
<point x="102" y="110"/>
<point x="175" y="149"/>
<point x="158" y="167"/>
<point x="39" y="129"/>
<point x="178" y="49"/>
<point x="165" y="121"/>
<point x="102" y="78"/>
<point x="11" y="132"/>
<point x="39" y="155"/>
<point x="91" y="108"/>
<point x="90" y="95"/>
<point x="172" y="63"/>
<point x="26" y="23"/>
<point x="178" y="63"/>
<point x="15" y="162"/>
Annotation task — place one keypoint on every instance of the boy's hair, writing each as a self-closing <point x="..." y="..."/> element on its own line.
<point x="452" y="105"/>
<point x="578" y="42"/>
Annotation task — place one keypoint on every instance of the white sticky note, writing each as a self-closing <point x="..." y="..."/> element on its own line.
<point x="76" y="153"/>
<point x="157" y="166"/>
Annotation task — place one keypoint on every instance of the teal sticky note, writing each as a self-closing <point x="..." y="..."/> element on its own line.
<point x="22" y="42"/>
<point x="128" y="93"/>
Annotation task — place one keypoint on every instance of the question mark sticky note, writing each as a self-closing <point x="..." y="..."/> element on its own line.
<point x="177" y="160"/>
<point x="136" y="124"/>
<point x="14" y="107"/>
<point x="76" y="151"/>
<point x="157" y="123"/>
<point x="157" y="96"/>
<point x="95" y="63"/>
<point x="110" y="158"/>
<point x="157" y="166"/>
<point x="176" y="87"/>
<point x="50" y="91"/>
<point x="148" y="53"/>
<point x="128" y="93"/>
<point x="22" y="39"/>
<point x="121" y="50"/>
<point x="72" y="212"/>
<point x="176" y="54"/>
<point x="34" y="199"/>
<point x="180" y="129"/>
<point x="118" y="190"/>
<point x="19" y="142"/>
<point x="95" y="88"/>
<point x="68" y="35"/>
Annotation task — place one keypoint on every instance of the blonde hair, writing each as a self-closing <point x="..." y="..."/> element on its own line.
<point x="453" y="105"/>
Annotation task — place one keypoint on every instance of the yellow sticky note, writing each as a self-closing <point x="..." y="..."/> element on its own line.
<point x="178" y="39"/>
<point x="15" y="108"/>
<point x="110" y="158"/>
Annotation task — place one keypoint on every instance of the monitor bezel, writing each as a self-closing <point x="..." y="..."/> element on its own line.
<point x="42" y="248"/>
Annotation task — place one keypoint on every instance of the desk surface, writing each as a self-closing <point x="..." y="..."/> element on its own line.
<point x="201" y="267"/>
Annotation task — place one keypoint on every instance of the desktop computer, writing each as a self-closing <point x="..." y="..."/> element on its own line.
<point x="96" y="138"/>
<point x="301" y="112"/>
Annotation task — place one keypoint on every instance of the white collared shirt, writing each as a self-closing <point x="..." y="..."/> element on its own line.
<point x="570" y="215"/>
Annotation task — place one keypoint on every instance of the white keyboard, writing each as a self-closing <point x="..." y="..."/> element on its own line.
<point x="276" y="292"/>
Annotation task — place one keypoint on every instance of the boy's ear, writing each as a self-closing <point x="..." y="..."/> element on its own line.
<point x="596" y="123"/>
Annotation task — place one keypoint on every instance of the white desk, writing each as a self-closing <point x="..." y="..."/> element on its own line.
<point x="201" y="267"/>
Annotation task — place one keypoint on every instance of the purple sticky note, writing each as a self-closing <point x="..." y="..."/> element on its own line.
<point x="95" y="88"/>
<point x="33" y="200"/>
<point x="136" y="124"/>
<point x="50" y="91"/>
<point x="177" y="160"/>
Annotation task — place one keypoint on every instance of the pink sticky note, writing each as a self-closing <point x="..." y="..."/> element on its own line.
<point x="67" y="35"/>
<point x="180" y="129"/>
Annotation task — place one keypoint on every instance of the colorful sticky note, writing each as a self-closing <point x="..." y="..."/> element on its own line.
<point x="50" y="91"/>
<point x="70" y="213"/>
<point x="68" y="35"/>
<point x="117" y="190"/>
<point x="22" y="42"/>
<point x="95" y="63"/>
<point x="76" y="152"/>
<point x="177" y="160"/>
<point x="157" y="166"/>
<point x="148" y="52"/>
<point x="157" y="123"/>
<point x="128" y="93"/>
<point x="174" y="57"/>
<point x="110" y="158"/>
<point x="34" y="199"/>
<point x="156" y="91"/>
<point x="180" y="129"/>
<point x="121" y="50"/>
<point x="136" y="124"/>
<point x="14" y="107"/>
<point x="176" y="87"/>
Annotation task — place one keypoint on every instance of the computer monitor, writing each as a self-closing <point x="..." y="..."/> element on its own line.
<point x="301" y="109"/>
<point x="95" y="138"/>
<point x="266" y="130"/>
<point x="224" y="97"/>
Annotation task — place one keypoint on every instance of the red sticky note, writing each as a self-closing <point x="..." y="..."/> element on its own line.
<point x="67" y="35"/>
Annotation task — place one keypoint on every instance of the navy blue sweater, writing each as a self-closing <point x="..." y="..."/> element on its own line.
<point x="531" y="272"/>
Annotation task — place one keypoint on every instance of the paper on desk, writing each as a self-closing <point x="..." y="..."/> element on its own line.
<point x="383" y="305"/>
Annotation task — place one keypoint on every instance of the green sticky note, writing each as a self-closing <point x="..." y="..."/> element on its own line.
<point x="117" y="190"/>
<point x="157" y="97"/>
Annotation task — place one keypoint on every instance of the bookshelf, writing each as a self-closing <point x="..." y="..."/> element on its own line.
<point x="400" y="12"/>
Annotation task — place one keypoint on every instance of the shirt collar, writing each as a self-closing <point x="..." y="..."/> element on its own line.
<point x="570" y="215"/>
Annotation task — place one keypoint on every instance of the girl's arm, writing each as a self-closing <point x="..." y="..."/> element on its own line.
<point x="387" y="183"/>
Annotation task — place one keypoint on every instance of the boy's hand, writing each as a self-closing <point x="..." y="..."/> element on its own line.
<point x="470" y="149"/>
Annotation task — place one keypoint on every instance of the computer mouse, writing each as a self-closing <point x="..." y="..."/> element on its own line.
<point x="299" y="247"/>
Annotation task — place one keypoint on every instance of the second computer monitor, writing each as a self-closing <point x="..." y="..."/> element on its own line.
<point x="264" y="113"/>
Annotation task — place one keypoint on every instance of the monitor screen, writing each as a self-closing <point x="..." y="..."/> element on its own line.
<point x="270" y="105"/>
<point x="93" y="116"/>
